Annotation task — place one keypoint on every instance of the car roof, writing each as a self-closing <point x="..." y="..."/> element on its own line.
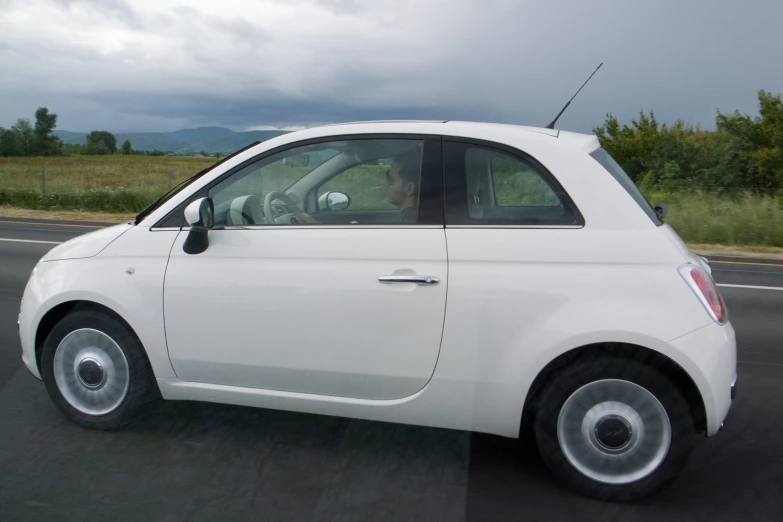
<point x="450" y="124"/>
<point x="469" y="129"/>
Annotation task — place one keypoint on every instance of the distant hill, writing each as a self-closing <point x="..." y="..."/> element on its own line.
<point x="237" y="140"/>
<point x="200" y="134"/>
<point x="148" y="141"/>
<point x="71" y="138"/>
<point x="183" y="141"/>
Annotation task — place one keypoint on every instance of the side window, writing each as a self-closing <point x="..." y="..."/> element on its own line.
<point x="362" y="181"/>
<point x="487" y="186"/>
<point x="367" y="184"/>
<point x="517" y="184"/>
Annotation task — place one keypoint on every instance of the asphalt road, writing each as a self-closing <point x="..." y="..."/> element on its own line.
<point x="192" y="461"/>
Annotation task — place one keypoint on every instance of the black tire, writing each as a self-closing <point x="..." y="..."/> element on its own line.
<point x="142" y="387"/>
<point x="569" y="380"/>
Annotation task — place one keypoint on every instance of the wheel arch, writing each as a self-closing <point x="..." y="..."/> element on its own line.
<point x="654" y="358"/>
<point x="59" y="311"/>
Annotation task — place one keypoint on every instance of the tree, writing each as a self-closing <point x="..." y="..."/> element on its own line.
<point x="98" y="149"/>
<point x="101" y="142"/>
<point x="126" y="147"/>
<point x="744" y="152"/>
<point x="24" y="137"/>
<point x="757" y="142"/>
<point x="9" y="145"/>
<point x="45" y="144"/>
<point x="671" y="157"/>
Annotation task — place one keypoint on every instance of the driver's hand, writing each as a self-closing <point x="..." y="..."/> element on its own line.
<point x="304" y="217"/>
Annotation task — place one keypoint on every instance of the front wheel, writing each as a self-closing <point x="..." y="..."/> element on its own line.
<point x="614" y="429"/>
<point x="95" y="370"/>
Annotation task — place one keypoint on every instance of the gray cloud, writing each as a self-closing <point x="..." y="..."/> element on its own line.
<point x="158" y="65"/>
<point x="120" y="10"/>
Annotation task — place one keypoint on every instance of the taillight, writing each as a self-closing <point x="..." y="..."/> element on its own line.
<point x="704" y="288"/>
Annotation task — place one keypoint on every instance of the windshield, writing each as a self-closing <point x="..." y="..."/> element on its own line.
<point x="177" y="188"/>
<point x="275" y="173"/>
<point x="614" y="168"/>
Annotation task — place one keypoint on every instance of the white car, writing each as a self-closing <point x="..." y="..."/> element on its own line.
<point x="459" y="275"/>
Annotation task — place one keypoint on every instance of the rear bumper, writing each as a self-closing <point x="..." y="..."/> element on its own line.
<point x="709" y="355"/>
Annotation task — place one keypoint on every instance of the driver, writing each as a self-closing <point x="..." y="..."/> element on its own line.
<point x="402" y="187"/>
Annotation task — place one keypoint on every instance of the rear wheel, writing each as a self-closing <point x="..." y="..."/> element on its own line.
<point x="614" y="429"/>
<point x="96" y="370"/>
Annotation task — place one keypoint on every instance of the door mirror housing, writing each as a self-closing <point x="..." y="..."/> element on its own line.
<point x="334" y="201"/>
<point x="200" y="215"/>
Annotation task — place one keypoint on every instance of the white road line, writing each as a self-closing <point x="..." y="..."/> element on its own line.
<point x="752" y="287"/>
<point x="31" y="241"/>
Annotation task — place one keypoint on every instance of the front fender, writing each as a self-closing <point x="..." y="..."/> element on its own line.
<point x="136" y="297"/>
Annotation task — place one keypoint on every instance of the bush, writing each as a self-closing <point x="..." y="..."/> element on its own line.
<point x="118" y="200"/>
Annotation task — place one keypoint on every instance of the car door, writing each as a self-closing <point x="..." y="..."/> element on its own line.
<point x="511" y="230"/>
<point x="281" y="300"/>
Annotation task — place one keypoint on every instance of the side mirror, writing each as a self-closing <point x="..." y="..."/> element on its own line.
<point x="200" y="215"/>
<point x="334" y="201"/>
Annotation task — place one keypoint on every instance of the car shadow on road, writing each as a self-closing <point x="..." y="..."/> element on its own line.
<point x="199" y="461"/>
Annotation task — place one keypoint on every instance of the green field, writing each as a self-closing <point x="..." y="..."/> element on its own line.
<point x="129" y="183"/>
<point x="95" y="183"/>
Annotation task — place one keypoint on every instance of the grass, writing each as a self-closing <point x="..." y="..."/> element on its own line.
<point x="126" y="184"/>
<point x="92" y="183"/>
<point x="82" y="173"/>
<point x="742" y="219"/>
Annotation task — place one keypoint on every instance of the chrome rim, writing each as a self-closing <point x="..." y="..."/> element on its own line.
<point x="614" y="431"/>
<point x="91" y="371"/>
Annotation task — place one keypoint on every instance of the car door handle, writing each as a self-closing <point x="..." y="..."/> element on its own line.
<point x="418" y="279"/>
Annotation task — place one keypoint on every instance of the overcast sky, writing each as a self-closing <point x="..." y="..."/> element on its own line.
<point x="161" y="65"/>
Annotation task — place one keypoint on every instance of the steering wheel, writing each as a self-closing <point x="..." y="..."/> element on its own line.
<point x="289" y="204"/>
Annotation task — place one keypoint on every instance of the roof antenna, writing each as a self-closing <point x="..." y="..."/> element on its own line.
<point x="552" y="125"/>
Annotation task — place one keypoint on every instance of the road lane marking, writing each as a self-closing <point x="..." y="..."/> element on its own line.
<point x="49" y="230"/>
<point x="50" y="224"/>
<point x="742" y="263"/>
<point x="752" y="287"/>
<point x="31" y="241"/>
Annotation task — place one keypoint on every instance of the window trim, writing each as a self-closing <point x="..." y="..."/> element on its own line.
<point x="431" y="210"/>
<point x="456" y="195"/>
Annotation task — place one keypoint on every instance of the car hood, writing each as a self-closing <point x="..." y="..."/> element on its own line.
<point x="87" y="245"/>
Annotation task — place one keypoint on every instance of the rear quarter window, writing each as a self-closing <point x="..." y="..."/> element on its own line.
<point x="488" y="184"/>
